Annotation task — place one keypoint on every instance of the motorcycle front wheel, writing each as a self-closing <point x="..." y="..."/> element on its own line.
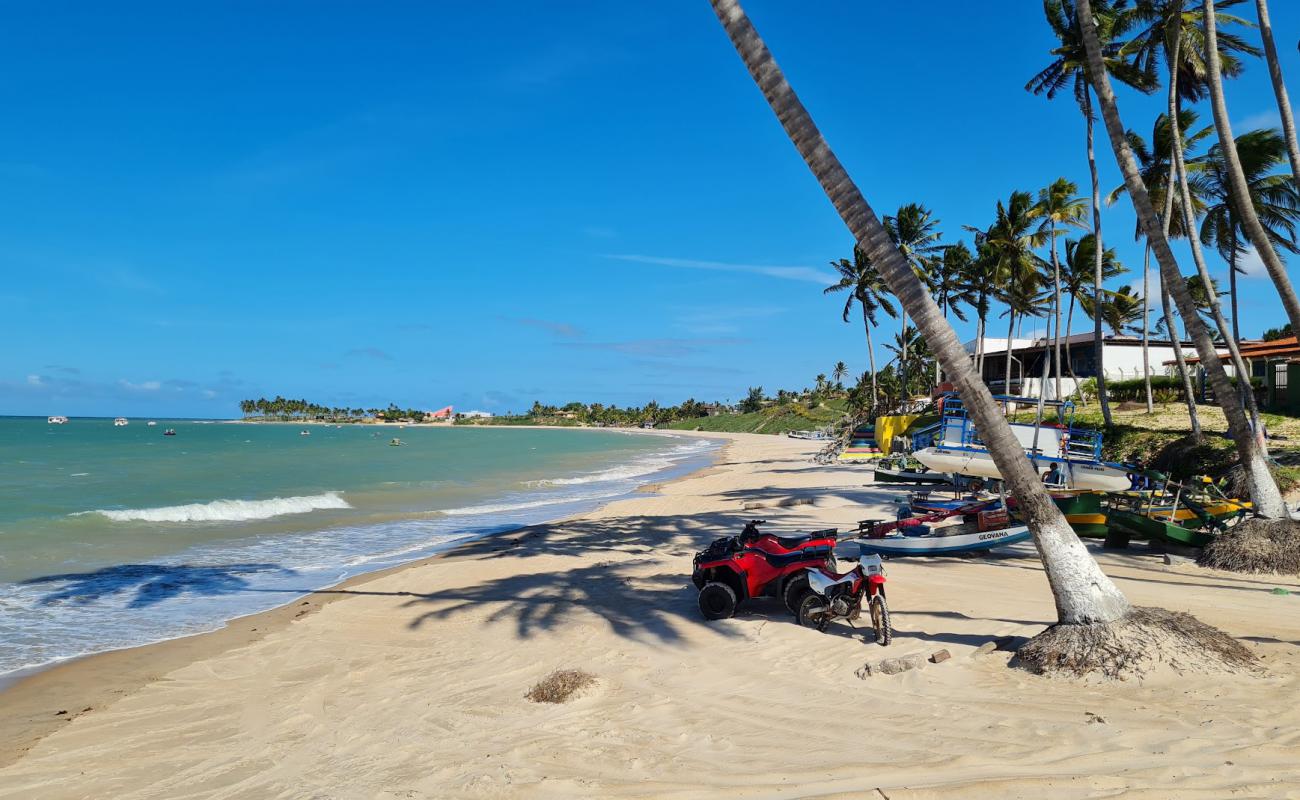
<point x="880" y="620"/>
<point x="814" y="611"/>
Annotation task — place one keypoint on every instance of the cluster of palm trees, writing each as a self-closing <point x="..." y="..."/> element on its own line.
<point x="1004" y="269"/>
<point x="1093" y="48"/>
<point x="286" y="409"/>
<point x="1019" y="263"/>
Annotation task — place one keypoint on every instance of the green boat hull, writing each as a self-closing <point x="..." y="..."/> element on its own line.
<point x="1142" y="526"/>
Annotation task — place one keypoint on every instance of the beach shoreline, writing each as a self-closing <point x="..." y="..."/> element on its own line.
<point x="86" y="682"/>
<point x="415" y="686"/>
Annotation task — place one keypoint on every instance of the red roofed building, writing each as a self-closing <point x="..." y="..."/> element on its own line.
<point x="1276" y="363"/>
<point x="441" y="414"/>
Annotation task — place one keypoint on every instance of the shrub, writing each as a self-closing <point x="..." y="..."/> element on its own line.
<point x="560" y="686"/>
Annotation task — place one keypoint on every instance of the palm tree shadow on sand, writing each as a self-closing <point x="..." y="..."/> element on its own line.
<point x="634" y="603"/>
<point x="151" y="583"/>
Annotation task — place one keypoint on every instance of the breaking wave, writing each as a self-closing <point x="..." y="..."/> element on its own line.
<point x="226" y="510"/>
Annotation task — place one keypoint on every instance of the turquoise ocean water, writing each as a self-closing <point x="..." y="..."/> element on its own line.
<point x="119" y="536"/>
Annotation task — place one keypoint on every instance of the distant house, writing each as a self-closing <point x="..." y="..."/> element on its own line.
<point x="1275" y="363"/>
<point x="439" y="415"/>
<point x="474" y="415"/>
<point x="714" y="409"/>
<point x="1121" y="360"/>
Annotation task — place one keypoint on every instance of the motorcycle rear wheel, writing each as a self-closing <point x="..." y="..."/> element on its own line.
<point x="814" y="611"/>
<point x="880" y="621"/>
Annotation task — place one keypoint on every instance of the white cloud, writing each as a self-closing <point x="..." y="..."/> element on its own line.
<point x="1251" y="264"/>
<point x="796" y="273"/>
<point x="35" y="380"/>
<point x="146" y="386"/>
<point x="1269" y="118"/>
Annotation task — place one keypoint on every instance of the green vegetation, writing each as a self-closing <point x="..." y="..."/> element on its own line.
<point x="283" y="410"/>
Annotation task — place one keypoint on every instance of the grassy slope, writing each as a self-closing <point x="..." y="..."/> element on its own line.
<point x="777" y="419"/>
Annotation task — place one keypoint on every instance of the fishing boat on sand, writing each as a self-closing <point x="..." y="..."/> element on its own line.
<point x="1076" y="452"/>
<point x="971" y="527"/>
<point x="905" y="469"/>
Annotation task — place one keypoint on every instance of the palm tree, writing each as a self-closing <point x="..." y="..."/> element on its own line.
<point x="838" y="374"/>
<point x="914" y="231"/>
<point x="1240" y="192"/>
<point x="1156" y="164"/>
<point x="1078" y="276"/>
<point x="1069" y="68"/>
<point x="1264" y="492"/>
<point x="864" y="284"/>
<point x="1120" y="308"/>
<point x="983" y="282"/>
<point x="1279" y="89"/>
<point x="1010" y="241"/>
<point x="948" y="281"/>
<point x="1083" y="593"/>
<point x="1274" y="198"/>
<point x="1058" y="204"/>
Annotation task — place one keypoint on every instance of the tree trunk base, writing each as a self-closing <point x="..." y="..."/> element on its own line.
<point x="1256" y="545"/>
<point x="1137" y="645"/>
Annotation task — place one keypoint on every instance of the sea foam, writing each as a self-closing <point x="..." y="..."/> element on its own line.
<point x="226" y="510"/>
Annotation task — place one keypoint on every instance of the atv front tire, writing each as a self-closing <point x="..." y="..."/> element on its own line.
<point x="717" y="600"/>
<point x="793" y="593"/>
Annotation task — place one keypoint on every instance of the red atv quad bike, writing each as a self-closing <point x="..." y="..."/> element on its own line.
<point x="737" y="568"/>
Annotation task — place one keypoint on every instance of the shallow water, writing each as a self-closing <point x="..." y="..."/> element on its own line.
<point x="111" y="537"/>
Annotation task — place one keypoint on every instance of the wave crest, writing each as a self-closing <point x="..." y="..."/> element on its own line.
<point x="226" y="510"/>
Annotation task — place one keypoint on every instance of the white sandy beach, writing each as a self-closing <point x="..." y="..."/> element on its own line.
<point x="410" y="684"/>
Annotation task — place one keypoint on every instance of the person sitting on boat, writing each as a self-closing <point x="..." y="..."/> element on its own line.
<point x="1053" y="476"/>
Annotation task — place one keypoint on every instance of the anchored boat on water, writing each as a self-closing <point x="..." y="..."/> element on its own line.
<point x="1076" y="452"/>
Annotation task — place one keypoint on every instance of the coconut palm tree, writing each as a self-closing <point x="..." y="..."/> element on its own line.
<point x="983" y="281"/>
<point x="1240" y="192"/>
<point x="838" y="374"/>
<point x="1120" y="308"/>
<point x="914" y="230"/>
<point x="865" y="286"/>
<point x="1078" y="278"/>
<point x="1273" y="196"/>
<point x="1113" y="19"/>
<point x="1264" y="492"/>
<point x="1083" y="593"/>
<point x="1058" y="205"/>
<point x="1279" y="89"/>
<point x="1011" y="241"/>
<point x="948" y="281"/>
<point x="1156" y="163"/>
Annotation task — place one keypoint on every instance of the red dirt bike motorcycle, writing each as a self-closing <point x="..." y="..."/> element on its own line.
<point x="734" y="569"/>
<point x="832" y="596"/>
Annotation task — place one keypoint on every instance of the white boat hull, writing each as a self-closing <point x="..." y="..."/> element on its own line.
<point x="938" y="545"/>
<point x="976" y="463"/>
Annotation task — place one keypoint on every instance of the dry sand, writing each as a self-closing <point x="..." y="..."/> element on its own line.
<point x="412" y="685"/>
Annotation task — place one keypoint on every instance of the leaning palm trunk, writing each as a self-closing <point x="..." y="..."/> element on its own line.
<point x="1216" y="308"/>
<point x="1238" y="193"/>
<point x="1098" y="290"/>
<point x="1264" y="491"/>
<point x="1056" y="316"/>
<point x="1174" y="338"/>
<point x="1011" y="329"/>
<point x="1279" y="89"/>
<point x="1082" y="592"/>
<point x="1146" y="326"/>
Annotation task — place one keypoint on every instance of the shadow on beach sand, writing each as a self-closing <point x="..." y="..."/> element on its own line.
<point x="634" y="603"/>
<point x="151" y="583"/>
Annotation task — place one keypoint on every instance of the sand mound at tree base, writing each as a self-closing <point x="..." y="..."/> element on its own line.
<point x="1256" y="545"/>
<point x="1142" y="643"/>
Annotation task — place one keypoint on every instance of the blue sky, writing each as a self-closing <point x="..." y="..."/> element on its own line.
<point x="489" y="203"/>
